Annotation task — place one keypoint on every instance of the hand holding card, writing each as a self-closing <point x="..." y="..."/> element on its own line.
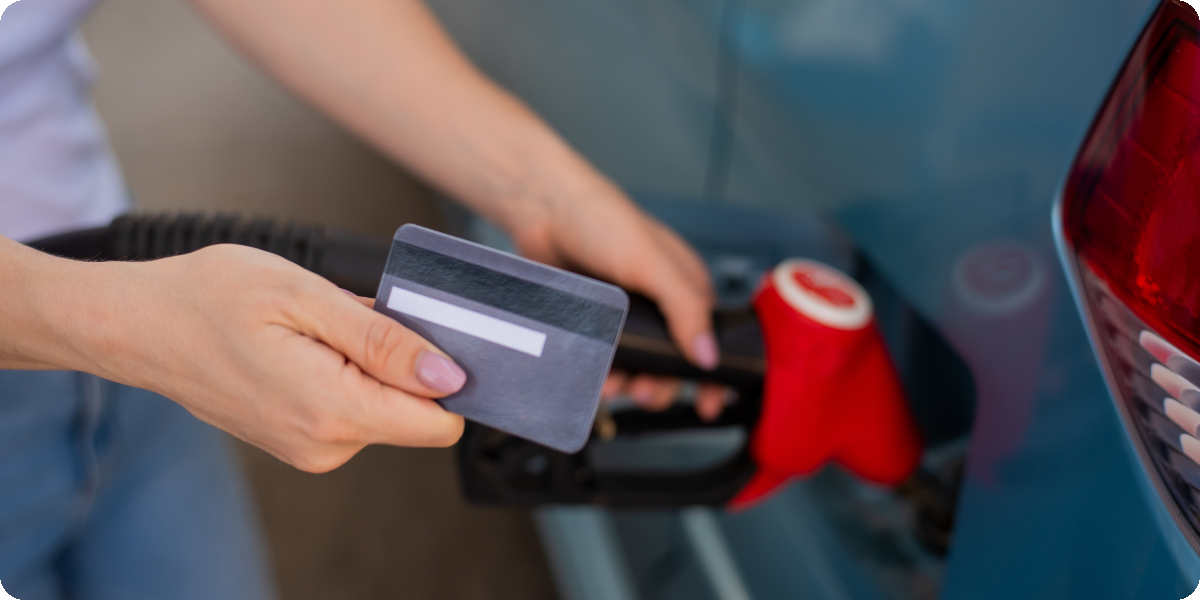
<point x="536" y="342"/>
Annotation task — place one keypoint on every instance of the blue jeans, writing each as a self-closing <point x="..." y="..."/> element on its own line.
<point x="112" y="492"/>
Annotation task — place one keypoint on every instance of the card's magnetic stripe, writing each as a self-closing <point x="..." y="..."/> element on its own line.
<point x="554" y="307"/>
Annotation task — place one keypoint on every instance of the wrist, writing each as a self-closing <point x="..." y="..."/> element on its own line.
<point x="32" y="334"/>
<point x="556" y="182"/>
<point x="84" y="311"/>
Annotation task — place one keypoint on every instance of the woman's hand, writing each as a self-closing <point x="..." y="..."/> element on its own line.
<point x="598" y="230"/>
<point x="269" y="352"/>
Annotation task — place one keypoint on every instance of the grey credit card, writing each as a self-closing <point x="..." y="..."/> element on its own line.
<point x="536" y="341"/>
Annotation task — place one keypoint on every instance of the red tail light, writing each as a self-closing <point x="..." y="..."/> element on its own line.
<point x="1131" y="226"/>
<point x="1132" y="203"/>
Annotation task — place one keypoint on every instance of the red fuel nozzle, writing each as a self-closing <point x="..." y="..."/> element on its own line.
<point x="831" y="391"/>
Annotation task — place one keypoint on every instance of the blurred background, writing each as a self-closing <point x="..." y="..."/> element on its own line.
<point x="197" y="128"/>
<point x="921" y="142"/>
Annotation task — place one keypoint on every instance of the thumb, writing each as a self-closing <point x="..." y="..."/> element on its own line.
<point x="380" y="346"/>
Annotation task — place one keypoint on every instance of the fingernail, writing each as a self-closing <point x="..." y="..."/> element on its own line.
<point x="704" y="351"/>
<point x="439" y="373"/>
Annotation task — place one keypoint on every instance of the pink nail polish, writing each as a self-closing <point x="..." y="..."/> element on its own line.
<point x="439" y="373"/>
<point x="704" y="351"/>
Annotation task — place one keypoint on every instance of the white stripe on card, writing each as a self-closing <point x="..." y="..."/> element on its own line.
<point x="465" y="320"/>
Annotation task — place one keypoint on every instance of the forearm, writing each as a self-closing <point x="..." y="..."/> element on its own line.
<point x="43" y="296"/>
<point x="386" y="70"/>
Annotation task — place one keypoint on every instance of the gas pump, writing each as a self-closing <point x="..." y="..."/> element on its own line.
<point x="814" y="380"/>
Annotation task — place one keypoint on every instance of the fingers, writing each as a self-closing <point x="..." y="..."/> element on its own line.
<point x="363" y="300"/>
<point x="688" y="311"/>
<point x="641" y="390"/>
<point x="346" y="409"/>
<point x="665" y="393"/>
<point x="380" y="346"/>
<point x="386" y="415"/>
<point x="653" y="393"/>
<point x="400" y="419"/>
<point x="614" y="384"/>
<point x="675" y="278"/>
<point x="710" y="401"/>
<point x="391" y="417"/>
<point x="687" y="258"/>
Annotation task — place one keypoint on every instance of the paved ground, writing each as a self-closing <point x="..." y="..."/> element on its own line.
<point x="198" y="129"/>
<point x="390" y="525"/>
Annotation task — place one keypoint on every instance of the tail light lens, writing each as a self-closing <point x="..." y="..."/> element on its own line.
<point x="1130" y="224"/>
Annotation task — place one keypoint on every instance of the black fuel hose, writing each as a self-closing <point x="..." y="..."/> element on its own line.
<point x="350" y="261"/>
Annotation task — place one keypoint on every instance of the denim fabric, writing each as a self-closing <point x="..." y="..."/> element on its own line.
<point x="109" y="492"/>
